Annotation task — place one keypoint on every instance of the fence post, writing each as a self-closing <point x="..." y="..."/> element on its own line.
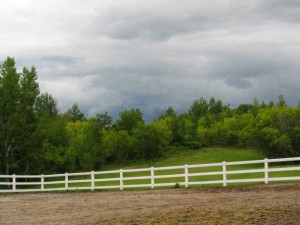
<point x="266" y="171"/>
<point x="224" y="174"/>
<point x="42" y="182"/>
<point x="66" y="181"/>
<point x="121" y="180"/>
<point x="92" y="180"/>
<point x="186" y="175"/>
<point x="152" y="177"/>
<point x="14" y="187"/>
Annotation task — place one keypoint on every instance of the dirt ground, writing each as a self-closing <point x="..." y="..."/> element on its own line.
<point x="263" y="204"/>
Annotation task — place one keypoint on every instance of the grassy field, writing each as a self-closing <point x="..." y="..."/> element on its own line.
<point x="202" y="156"/>
<point x="205" y="155"/>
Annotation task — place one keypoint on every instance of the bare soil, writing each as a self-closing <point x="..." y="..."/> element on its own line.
<point x="263" y="204"/>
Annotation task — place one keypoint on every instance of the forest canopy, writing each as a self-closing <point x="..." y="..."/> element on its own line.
<point x="36" y="138"/>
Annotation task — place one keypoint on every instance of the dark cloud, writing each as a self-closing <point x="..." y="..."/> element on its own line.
<point x="115" y="55"/>
<point x="285" y="10"/>
<point x="160" y="20"/>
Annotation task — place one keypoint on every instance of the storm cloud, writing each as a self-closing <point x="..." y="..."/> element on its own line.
<point x="115" y="55"/>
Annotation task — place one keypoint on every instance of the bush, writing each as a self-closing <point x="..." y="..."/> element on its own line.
<point x="177" y="185"/>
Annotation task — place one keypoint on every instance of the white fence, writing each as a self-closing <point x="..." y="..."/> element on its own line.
<point x="96" y="180"/>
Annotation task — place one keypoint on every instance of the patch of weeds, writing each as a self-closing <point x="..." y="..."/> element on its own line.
<point x="177" y="185"/>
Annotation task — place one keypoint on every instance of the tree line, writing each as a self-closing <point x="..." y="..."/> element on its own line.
<point x="36" y="138"/>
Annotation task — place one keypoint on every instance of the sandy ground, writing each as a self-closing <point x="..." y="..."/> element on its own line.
<point x="264" y="204"/>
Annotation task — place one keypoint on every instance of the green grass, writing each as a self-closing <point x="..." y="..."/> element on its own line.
<point x="211" y="155"/>
<point x="205" y="155"/>
<point x="190" y="157"/>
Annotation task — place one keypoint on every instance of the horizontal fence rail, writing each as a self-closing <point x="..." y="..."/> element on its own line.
<point x="185" y="175"/>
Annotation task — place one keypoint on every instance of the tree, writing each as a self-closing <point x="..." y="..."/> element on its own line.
<point x="198" y="109"/>
<point x="118" y="146"/>
<point x="170" y="112"/>
<point x="9" y="96"/>
<point x="255" y="107"/>
<point x="74" y="114"/>
<point x="244" y="108"/>
<point x="105" y="120"/>
<point x="29" y="91"/>
<point x="46" y="105"/>
<point x="18" y="93"/>
<point x="274" y="144"/>
<point x="271" y="104"/>
<point x="50" y="144"/>
<point x="151" y="141"/>
<point x="215" y="107"/>
<point x="281" y="101"/>
<point x="129" y="119"/>
<point x="50" y="138"/>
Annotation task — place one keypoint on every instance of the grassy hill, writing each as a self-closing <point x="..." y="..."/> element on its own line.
<point x="201" y="156"/>
<point x="190" y="157"/>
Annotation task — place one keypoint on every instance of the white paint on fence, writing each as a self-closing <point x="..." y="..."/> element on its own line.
<point x="121" y="180"/>
<point x="152" y="178"/>
<point x="94" y="178"/>
<point x="266" y="171"/>
<point x="42" y="182"/>
<point x="224" y="174"/>
<point x="66" y="181"/>
<point x="186" y="175"/>
<point x="14" y="183"/>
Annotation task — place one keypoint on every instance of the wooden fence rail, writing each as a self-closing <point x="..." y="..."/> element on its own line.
<point x="95" y="180"/>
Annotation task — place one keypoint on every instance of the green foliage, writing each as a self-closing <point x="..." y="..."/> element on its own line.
<point x="18" y="93"/>
<point x="199" y="108"/>
<point x="118" y="146"/>
<point x="170" y="112"/>
<point x="276" y="131"/>
<point x="84" y="149"/>
<point x="129" y="119"/>
<point x="35" y="138"/>
<point x="74" y="114"/>
<point x="50" y="141"/>
<point x="244" y="108"/>
<point x="202" y="107"/>
<point x="105" y="120"/>
<point x="151" y="141"/>
<point x="46" y="106"/>
<point x="281" y="101"/>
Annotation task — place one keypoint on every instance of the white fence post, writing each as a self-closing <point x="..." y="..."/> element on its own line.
<point x="66" y="181"/>
<point x="224" y="174"/>
<point x="186" y="175"/>
<point x="42" y="182"/>
<point x="92" y="180"/>
<point x="14" y="187"/>
<point x="266" y="171"/>
<point x="121" y="180"/>
<point x="152" y="177"/>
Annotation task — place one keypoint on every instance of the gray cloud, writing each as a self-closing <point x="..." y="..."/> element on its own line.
<point x="115" y="55"/>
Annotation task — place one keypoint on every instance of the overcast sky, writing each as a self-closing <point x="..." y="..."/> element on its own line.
<point x="112" y="55"/>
